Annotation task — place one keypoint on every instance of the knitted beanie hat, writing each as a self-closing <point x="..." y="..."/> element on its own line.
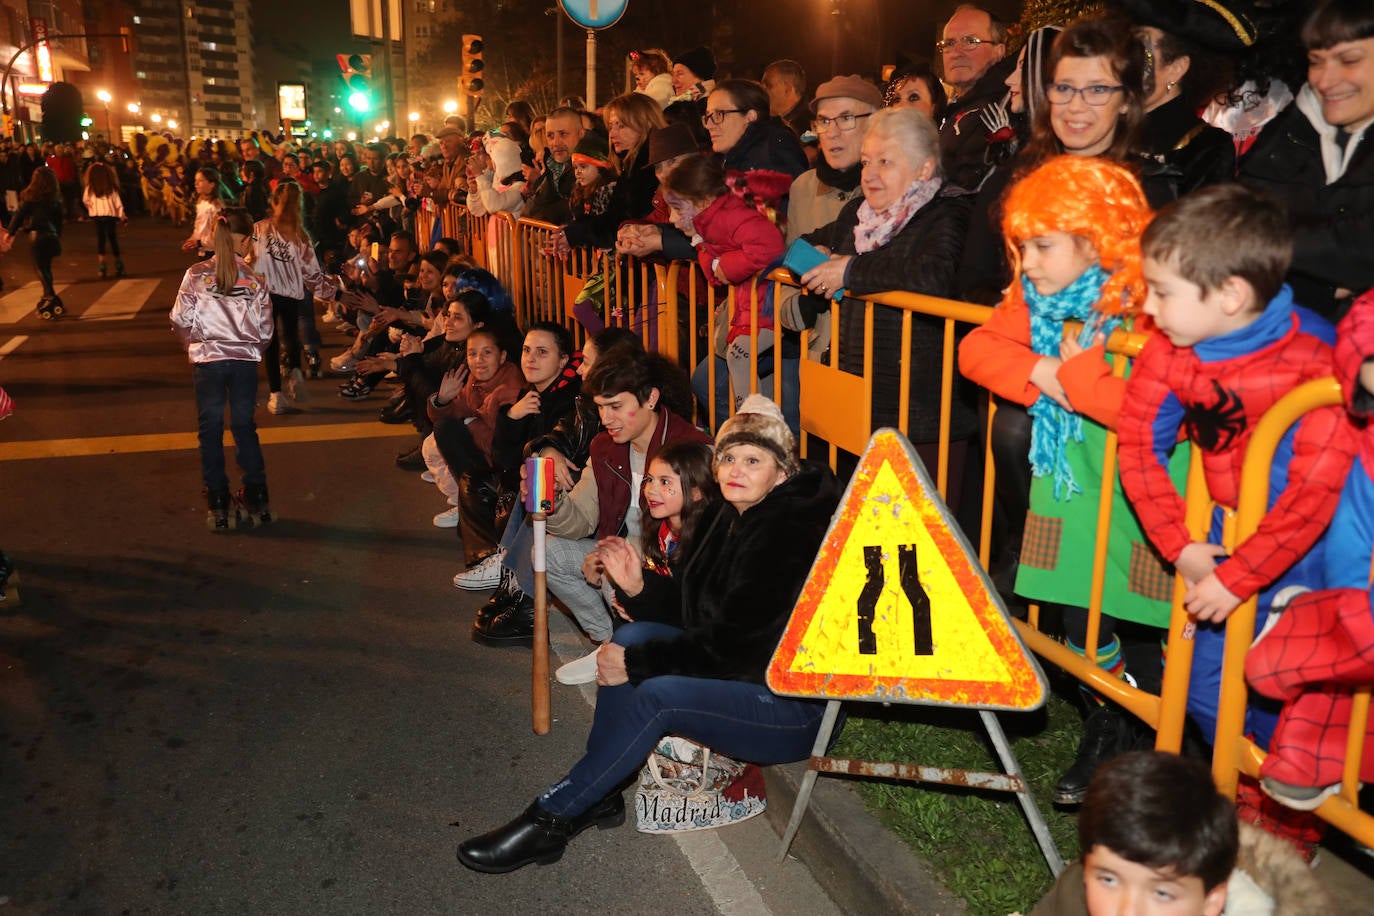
<point x="700" y="61"/>
<point x="592" y="149"/>
<point x="759" y="423"/>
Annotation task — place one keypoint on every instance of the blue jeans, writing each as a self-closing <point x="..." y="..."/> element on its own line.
<point x="233" y="382"/>
<point x="737" y="718"/>
<point x="791" y="390"/>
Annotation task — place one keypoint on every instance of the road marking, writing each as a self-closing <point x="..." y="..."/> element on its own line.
<point x="173" y="442"/>
<point x="23" y="301"/>
<point x="14" y="343"/>
<point x="121" y="301"/>
<point x="721" y="876"/>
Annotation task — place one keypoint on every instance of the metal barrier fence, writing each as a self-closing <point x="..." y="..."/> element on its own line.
<point x="836" y="406"/>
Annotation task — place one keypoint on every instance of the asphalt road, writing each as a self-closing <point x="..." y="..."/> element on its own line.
<point x="288" y="720"/>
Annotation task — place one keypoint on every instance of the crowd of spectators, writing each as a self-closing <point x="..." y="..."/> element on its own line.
<point x="895" y="185"/>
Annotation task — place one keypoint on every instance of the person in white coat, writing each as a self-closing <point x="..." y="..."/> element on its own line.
<point x="106" y="209"/>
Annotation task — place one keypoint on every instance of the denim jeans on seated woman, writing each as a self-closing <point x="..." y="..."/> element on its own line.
<point x="737" y="718"/>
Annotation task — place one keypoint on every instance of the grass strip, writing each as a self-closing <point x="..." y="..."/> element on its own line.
<point x="978" y="842"/>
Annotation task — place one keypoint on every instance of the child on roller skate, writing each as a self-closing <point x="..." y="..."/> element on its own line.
<point x="40" y="211"/>
<point x="106" y="209"/>
<point x="1231" y="343"/>
<point x="1073" y="235"/>
<point x="223" y="316"/>
<point x="1322" y="646"/>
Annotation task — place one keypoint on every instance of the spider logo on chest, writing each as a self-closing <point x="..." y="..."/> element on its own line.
<point x="1215" y="425"/>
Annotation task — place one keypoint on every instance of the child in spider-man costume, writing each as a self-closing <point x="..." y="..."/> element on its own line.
<point x="1232" y="343"/>
<point x="1322" y="646"/>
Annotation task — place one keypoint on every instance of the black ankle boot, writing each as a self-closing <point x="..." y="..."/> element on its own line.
<point x="513" y="626"/>
<point x="506" y="596"/>
<point x="1107" y="732"/>
<point x="536" y="836"/>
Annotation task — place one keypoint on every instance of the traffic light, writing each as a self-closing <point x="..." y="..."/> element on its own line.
<point x="357" y="77"/>
<point x="471" y="79"/>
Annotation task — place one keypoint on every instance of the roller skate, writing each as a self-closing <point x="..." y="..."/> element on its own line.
<point x="119" y="268"/>
<point x="250" y="506"/>
<point x="9" y="583"/>
<point x="102" y="270"/>
<point x="50" y="307"/>
<point x="312" y="363"/>
<point x="217" y="519"/>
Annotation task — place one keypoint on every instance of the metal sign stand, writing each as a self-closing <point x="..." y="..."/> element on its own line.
<point x="1011" y="780"/>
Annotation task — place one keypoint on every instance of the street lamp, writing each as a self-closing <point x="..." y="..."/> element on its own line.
<point x="450" y="106"/>
<point x="105" y="100"/>
<point x="171" y="125"/>
<point x="157" y="119"/>
<point x="414" y="120"/>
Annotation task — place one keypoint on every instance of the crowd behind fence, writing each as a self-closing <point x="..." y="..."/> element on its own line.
<point x="835" y="407"/>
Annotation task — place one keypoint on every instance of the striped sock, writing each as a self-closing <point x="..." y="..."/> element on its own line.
<point x="1109" y="659"/>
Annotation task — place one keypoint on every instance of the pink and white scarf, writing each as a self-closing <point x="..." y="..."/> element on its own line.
<point x="875" y="230"/>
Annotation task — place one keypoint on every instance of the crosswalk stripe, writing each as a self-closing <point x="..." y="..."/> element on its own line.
<point x="14" y="343"/>
<point x="21" y="302"/>
<point x="121" y="301"/>
<point x="171" y="442"/>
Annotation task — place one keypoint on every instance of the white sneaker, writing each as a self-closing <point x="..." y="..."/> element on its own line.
<point x="582" y="671"/>
<point x="427" y="477"/>
<point x="484" y="574"/>
<point x="344" y="363"/>
<point x="447" y="519"/>
<point x="276" y="403"/>
<point x="329" y="317"/>
<point x="295" y="386"/>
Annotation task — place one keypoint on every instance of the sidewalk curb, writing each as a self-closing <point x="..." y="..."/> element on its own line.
<point x="861" y="864"/>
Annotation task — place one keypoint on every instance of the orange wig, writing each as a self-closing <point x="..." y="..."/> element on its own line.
<point x="1087" y="196"/>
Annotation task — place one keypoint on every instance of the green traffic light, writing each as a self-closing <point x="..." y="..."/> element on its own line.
<point x="359" y="101"/>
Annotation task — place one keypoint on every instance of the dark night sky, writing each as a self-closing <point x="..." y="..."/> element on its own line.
<point x="871" y="31"/>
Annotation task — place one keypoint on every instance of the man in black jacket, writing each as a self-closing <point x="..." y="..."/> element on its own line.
<point x="1317" y="157"/>
<point x="562" y="132"/>
<point x="973" y="50"/>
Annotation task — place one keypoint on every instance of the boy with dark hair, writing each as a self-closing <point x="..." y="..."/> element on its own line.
<point x="1157" y="839"/>
<point x="1232" y="342"/>
<point x="606" y="501"/>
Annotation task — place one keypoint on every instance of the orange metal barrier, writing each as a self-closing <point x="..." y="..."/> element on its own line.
<point x="837" y="407"/>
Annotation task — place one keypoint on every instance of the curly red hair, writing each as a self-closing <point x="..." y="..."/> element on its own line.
<point x="1094" y="198"/>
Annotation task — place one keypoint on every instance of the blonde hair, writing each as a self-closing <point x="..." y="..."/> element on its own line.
<point x="288" y="215"/>
<point x="639" y="113"/>
<point x="229" y="222"/>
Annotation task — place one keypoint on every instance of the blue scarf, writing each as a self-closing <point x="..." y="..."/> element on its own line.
<point x="1053" y="427"/>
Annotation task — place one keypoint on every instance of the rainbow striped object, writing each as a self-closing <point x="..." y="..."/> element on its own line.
<point x="539" y="484"/>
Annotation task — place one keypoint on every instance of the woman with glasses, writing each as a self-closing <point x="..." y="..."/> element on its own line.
<point x="761" y="155"/>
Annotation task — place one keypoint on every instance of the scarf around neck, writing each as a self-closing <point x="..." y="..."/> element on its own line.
<point x="840" y="179"/>
<point x="874" y="229"/>
<point x="1053" y="427"/>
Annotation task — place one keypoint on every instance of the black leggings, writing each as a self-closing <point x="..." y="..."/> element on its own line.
<point x="106" y="227"/>
<point x="45" y="247"/>
<point x="285" y="325"/>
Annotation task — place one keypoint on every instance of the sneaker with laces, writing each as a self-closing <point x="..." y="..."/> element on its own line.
<point x="484" y="574"/>
<point x="355" y="389"/>
<point x="295" y="386"/>
<point x="344" y="363"/>
<point x="276" y="403"/>
<point x="582" y="671"/>
<point x="447" y="519"/>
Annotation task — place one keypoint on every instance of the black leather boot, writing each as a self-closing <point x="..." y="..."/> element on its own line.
<point x="536" y="836"/>
<point x="1108" y="731"/>
<point x="506" y="596"/>
<point x="512" y="627"/>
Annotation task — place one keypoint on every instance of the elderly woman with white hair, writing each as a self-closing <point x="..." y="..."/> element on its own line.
<point x="693" y="663"/>
<point x="905" y="234"/>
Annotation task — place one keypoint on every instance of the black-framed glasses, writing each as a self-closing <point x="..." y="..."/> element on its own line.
<point x="845" y="122"/>
<point x="969" y="42"/>
<point x="718" y="116"/>
<point x="1095" y="95"/>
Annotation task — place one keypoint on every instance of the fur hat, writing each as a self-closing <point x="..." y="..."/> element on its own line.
<point x="505" y="161"/>
<point x="759" y="422"/>
<point x="700" y="61"/>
